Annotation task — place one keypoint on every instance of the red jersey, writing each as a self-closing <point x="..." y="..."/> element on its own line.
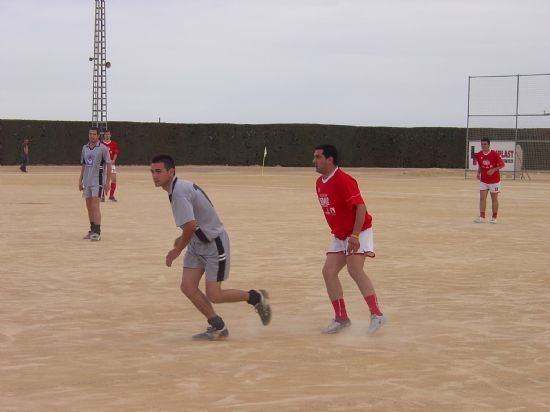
<point x="486" y="162"/>
<point x="113" y="148"/>
<point x="338" y="196"/>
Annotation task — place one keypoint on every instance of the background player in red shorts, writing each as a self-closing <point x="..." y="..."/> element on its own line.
<point x="113" y="153"/>
<point x="489" y="163"/>
<point x="351" y="225"/>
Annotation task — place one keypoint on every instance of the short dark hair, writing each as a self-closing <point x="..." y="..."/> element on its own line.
<point x="329" y="151"/>
<point x="168" y="161"/>
<point x="95" y="128"/>
<point x="486" y="140"/>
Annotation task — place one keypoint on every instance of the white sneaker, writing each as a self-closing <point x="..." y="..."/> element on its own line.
<point x="376" y="322"/>
<point x="94" y="237"/>
<point x="493" y="220"/>
<point x="480" y="220"/>
<point x="336" y="326"/>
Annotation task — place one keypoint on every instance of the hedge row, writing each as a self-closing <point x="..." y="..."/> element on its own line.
<point x="60" y="142"/>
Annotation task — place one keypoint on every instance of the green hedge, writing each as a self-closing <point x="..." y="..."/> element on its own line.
<point x="60" y="142"/>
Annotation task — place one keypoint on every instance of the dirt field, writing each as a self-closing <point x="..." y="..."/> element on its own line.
<point x="103" y="326"/>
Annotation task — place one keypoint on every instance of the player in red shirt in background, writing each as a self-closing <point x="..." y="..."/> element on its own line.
<point x="351" y="225"/>
<point x="113" y="153"/>
<point x="489" y="163"/>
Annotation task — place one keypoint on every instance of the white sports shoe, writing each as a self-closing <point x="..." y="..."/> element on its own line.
<point x="376" y="322"/>
<point x="336" y="326"/>
<point x="480" y="220"/>
<point x="94" y="237"/>
<point x="493" y="220"/>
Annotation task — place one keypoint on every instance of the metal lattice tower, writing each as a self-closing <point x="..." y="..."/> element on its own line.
<point x="99" y="93"/>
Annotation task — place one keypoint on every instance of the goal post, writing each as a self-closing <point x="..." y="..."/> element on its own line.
<point x="513" y="112"/>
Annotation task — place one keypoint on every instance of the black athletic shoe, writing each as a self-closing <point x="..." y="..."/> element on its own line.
<point x="262" y="307"/>
<point x="212" y="334"/>
<point x="112" y="199"/>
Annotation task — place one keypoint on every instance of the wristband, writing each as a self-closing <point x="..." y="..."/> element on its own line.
<point x="354" y="235"/>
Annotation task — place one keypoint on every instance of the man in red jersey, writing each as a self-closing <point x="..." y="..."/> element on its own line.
<point x="489" y="163"/>
<point x="113" y="153"/>
<point x="351" y="225"/>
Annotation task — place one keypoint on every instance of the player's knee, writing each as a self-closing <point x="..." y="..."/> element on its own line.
<point x="356" y="273"/>
<point x="329" y="273"/>
<point x="188" y="289"/>
<point x="214" y="296"/>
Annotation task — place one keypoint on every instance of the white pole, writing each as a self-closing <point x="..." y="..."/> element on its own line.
<point x="263" y="161"/>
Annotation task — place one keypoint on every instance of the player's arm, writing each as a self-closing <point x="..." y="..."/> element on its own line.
<point x="80" y="184"/>
<point x="360" y="213"/>
<point x="107" y="159"/>
<point x="188" y="229"/>
<point x="478" y="176"/>
<point x="353" y="241"/>
<point x="116" y="151"/>
<point x="500" y="164"/>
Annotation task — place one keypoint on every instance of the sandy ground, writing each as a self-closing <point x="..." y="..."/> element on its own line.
<point x="103" y="326"/>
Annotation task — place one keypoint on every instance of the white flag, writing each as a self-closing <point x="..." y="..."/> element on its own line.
<point x="265" y="151"/>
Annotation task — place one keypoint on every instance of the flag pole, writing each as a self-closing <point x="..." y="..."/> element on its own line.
<point x="263" y="161"/>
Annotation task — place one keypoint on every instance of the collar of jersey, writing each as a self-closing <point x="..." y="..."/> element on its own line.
<point x="328" y="178"/>
<point x="172" y="185"/>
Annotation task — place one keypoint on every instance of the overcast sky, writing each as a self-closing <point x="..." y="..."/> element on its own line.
<point x="356" y="62"/>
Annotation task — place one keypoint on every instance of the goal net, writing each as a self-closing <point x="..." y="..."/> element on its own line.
<point x="513" y="112"/>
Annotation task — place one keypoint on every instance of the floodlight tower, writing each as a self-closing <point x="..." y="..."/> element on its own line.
<point x="99" y="93"/>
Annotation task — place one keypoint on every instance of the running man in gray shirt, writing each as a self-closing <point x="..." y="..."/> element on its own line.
<point x="95" y="161"/>
<point x="207" y="250"/>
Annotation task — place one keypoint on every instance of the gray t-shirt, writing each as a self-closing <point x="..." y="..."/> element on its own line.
<point x="94" y="161"/>
<point x="189" y="202"/>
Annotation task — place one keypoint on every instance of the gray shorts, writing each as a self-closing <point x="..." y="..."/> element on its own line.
<point x="92" y="191"/>
<point x="213" y="257"/>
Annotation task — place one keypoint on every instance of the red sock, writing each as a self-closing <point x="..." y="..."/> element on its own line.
<point x="482" y="214"/>
<point x="339" y="309"/>
<point x="113" y="187"/>
<point x="372" y="301"/>
<point x="494" y="215"/>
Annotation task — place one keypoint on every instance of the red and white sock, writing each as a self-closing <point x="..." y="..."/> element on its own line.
<point x="113" y="188"/>
<point x="372" y="301"/>
<point x="494" y="215"/>
<point x="339" y="309"/>
<point x="482" y="214"/>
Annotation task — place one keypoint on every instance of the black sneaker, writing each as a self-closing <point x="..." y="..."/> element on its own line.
<point x="262" y="307"/>
<point x="212" y="334"/>
<point x="112" y="199"/>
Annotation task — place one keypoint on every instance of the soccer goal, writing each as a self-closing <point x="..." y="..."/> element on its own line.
<point x="513" y="112"/>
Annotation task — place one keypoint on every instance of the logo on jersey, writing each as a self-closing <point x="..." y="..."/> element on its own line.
<point x="90" y="161"/>
<point x="324" y="200"/>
